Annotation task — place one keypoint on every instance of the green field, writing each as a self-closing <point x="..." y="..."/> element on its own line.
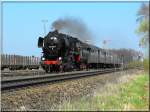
<point x="131" y="95"/>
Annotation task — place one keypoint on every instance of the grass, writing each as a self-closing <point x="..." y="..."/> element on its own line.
<point x="131" y="95"/>
<point x="146" y="64"/>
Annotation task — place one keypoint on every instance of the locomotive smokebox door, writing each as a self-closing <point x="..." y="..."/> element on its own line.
<point x="40" y="42"/>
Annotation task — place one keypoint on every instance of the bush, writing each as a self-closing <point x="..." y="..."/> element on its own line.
<point x="135" y="64"/>
<point x="146" y="64"/>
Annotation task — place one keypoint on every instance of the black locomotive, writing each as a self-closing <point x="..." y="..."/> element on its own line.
<point x="62" y="52"/>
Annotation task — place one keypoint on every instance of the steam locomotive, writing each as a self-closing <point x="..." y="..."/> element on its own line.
<point x="62" y="52"/>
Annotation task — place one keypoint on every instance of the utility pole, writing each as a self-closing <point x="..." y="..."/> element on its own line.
<point x="44" y="21"/>
<point x="1" y="42"/>
<point x="104" y="43"/>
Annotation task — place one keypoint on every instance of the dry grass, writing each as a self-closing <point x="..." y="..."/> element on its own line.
<point x="131" y="93"/>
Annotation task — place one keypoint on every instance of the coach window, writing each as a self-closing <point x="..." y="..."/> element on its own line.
<point x="83" y="52"/>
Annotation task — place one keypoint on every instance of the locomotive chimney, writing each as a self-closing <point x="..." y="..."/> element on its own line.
<point x="56" y="30"/>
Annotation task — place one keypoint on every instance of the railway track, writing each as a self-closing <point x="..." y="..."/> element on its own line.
<point x="16" y="74"/>
<point x="47" y="78"/>
<point x="20" y="72"/>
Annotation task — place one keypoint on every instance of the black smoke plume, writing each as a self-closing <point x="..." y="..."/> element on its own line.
<point x="74" y="27"/>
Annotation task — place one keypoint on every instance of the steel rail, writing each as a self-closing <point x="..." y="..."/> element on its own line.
<point x="20" y="73"/>
<point x="29" y="81"/>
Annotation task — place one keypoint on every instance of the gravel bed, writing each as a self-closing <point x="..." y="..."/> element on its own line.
<point x="51" y="96"/>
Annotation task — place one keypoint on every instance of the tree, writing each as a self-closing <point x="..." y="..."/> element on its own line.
<point x="128" y="55"/>
<point x="143" y="31"/>
<point x="143" y="27"/>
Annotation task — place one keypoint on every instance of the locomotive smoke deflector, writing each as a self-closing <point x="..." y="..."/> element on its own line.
<point x="40" y="42"/>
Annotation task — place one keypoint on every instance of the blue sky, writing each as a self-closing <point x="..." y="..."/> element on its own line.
<point x="114" y="21"/>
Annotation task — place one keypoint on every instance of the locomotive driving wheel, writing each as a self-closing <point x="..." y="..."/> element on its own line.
<point x="83" y="66"/>
<point x="47" y="69"/>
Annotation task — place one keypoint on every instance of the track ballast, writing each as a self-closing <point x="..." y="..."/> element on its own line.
<point x="47" y="78"/>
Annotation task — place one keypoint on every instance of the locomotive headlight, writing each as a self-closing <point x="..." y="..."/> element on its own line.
<point x="43" y="59"/>
<point x="60" y="58"/>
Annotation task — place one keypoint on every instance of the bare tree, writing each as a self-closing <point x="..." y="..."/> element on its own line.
<point x="143" y="28"/>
